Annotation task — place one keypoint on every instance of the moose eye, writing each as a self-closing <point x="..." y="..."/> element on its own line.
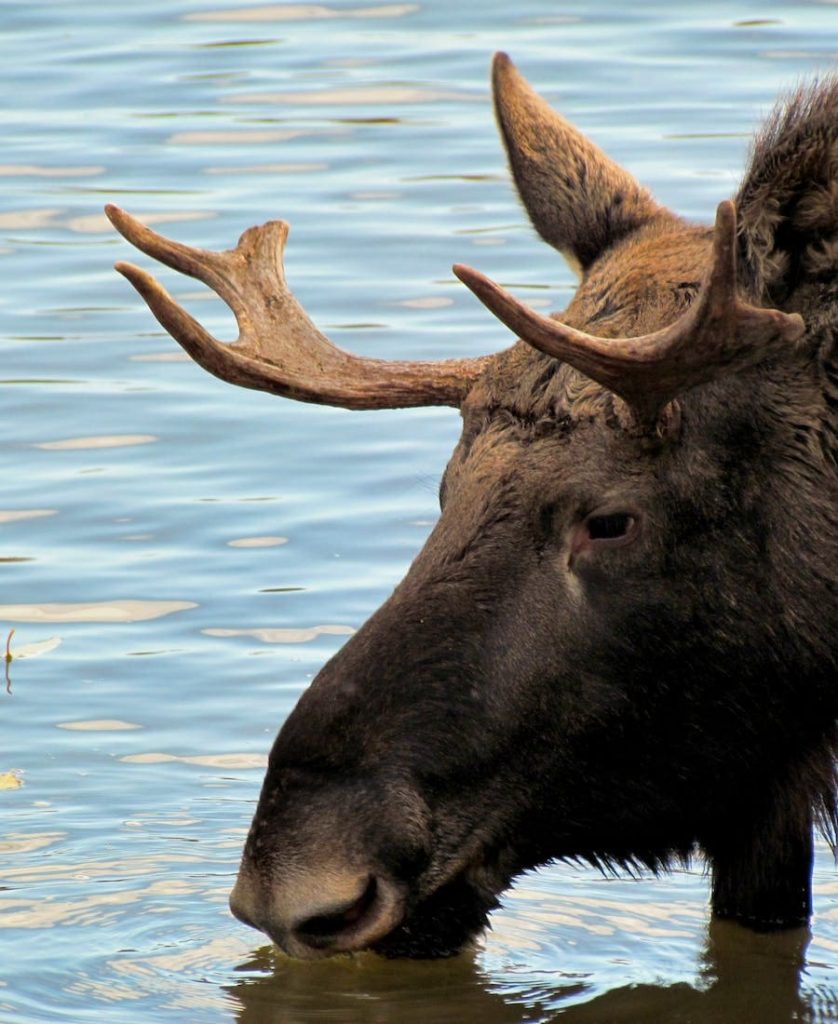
<point x="611" y="527"/>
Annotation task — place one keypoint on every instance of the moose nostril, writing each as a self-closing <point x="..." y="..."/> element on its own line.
<point x="324" y="929"/>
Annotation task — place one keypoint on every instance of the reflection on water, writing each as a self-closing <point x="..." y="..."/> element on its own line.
<point x="72" y="444"/>
<point x="284" y="636"/>
<point x="365" y="989"/>
<point x="235" y="138"/>
<point x="302" y="12"/>
<point x="358" y="96"/>
<point x="36" y="171"/>
<point x="133" y="744"/>
<point x="99" y="725"/>
<point x="161" y="357"/>
<point x="94" y="611"/>
<point x="298" y="168"/>
<point x="744" y="978"/>
<point x="22" y="220"/>
<point x="210" y="760"/>
<point x="12" y="515"/>
<point x="257" y="542"/>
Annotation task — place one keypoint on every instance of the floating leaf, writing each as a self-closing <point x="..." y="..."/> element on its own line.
<point x="26" y="651"/>
<point x="10" y="780"/>
<point x="36" y="649"/>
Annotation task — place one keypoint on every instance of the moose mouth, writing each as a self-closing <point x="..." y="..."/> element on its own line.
<point x="441" y="924"/>
<point x="379" y="916"/>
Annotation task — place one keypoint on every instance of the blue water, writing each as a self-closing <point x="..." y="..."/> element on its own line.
<point x="171" y="548"/>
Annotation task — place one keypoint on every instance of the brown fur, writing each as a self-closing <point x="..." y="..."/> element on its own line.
<point x="526" y="694"/>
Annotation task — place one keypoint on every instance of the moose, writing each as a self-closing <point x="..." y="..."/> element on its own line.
<point x="619" y="643"/>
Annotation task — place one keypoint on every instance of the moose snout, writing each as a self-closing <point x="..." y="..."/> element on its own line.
<point x="316" y="913"/>
<point x="340" y="838"/>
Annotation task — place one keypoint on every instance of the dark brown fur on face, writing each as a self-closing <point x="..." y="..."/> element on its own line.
<point x="717" y="638"/>
<point x="619" y="641"/>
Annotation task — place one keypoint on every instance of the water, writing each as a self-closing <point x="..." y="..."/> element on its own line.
<point x="154" y="523"/>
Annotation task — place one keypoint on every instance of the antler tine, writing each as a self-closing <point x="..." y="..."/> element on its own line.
<point x="279" y="349"/>
<point x="197" y="341"/>
<point x="198" y="263"/>
<point x="718" y="334"/>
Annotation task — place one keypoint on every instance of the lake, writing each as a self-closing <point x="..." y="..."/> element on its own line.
<point x="178" y="557"/>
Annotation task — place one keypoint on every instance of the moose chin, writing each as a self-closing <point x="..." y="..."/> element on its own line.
<point x="619" y="642"/>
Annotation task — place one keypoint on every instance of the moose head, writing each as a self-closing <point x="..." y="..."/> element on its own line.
<point x="619" y="641"/>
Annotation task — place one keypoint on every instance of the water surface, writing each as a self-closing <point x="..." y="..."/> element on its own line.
<point x="178" y="557"/>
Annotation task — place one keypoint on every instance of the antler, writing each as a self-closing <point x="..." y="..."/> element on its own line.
<point x="718" y="334"/>
<point x="279" y="349"/>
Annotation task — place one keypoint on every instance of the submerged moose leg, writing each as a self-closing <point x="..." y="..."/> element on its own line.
<point x="762" y="871"/>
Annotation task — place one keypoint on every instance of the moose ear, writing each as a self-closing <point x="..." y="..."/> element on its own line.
<point x="578" y="199"/>
<point x="788" y="203"/>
